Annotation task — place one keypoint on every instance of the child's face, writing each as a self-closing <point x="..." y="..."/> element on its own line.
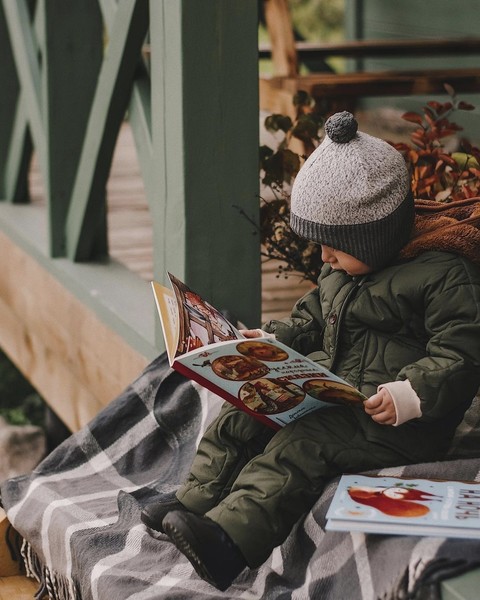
<point x="343" y="261"/>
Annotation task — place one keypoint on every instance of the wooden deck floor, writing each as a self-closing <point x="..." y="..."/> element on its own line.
<point x="130" y="228"/>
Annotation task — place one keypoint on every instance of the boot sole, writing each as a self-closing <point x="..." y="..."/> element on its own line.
<point x="155" y="523"/>
<point x="184" y="545"/>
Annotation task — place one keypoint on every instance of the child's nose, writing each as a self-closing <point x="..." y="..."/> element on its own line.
<point x="327" y="253"/>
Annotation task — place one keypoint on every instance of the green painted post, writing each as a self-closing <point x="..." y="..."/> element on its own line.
<point x="205" y="119"/>
<point x="85" y="224"/>
<point x="25" y="52"/>
<point x="17" y="164"/>
<point x="72" y="58"/>
<point x="10" y="90"/>
<point x="15" y="136"/>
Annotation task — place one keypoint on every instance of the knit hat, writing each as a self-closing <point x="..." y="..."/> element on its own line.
<point x="353" y="194"/>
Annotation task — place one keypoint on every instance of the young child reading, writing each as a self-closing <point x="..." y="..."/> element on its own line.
<point x="406" y="332"/>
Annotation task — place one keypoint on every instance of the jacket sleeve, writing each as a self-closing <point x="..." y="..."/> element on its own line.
<point x="303" y="331"/>
<point x="450" y="373"/>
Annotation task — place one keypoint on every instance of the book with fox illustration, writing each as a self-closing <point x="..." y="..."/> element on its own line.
<point x="261" y="376"/>
<point x="397" y="505"/>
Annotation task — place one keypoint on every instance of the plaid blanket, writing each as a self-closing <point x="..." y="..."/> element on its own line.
<point x="79" y="514"/>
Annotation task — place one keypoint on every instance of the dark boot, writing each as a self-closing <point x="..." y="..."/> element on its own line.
<point x="212" y="553"/>
<point x="154" y="512"/>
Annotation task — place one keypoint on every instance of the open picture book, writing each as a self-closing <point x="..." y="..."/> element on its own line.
<point x="395" y="505"/>
<point x="261" y="376"/>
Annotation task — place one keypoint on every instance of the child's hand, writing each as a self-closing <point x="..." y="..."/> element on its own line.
<point x="255" y="333"/>
<point x="381" y="408"/>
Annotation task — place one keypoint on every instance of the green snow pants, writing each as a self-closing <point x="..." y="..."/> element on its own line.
<point x="256" y="482"/>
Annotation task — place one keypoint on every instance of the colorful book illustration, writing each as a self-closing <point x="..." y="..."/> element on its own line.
<point x="394" y="505"/>
<point x="261" y="376"/>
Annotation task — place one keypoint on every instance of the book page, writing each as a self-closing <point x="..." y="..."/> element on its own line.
<point x="168" y="311"/>
<point x="199" y="323"/>
<point x="267" y="378"/>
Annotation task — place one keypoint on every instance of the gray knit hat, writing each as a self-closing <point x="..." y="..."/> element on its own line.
<point x="353" y="194"/>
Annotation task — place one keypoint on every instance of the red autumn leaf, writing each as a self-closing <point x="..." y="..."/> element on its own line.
<point x="401" y="147"/>
<point x="445" y="133"/>
<point x="465" y="106"/>
<point x="467" y="192"/>
<point x="435" y="105"/>
<point x="445" y="107"/>
<point x="448" y="159"/>
<point x="418" y="140"/>
<point x="421" y="172"/>
<point x="430" y="180"/>
<point x="430" y="121"/>
<point x="412" y="118"/>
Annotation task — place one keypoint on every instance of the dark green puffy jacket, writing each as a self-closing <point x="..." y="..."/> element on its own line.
<point x="417" y="320"/>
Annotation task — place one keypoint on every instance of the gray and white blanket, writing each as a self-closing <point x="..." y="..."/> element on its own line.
<point x="79" y="515"/>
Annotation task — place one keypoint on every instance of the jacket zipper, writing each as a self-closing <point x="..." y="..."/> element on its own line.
<point x="341" y="316"/>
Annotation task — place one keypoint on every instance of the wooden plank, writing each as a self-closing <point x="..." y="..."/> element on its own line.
<point x="280" y="30"/>
<point x="381" y="48"/>
<point x="378" y="83"/>
<point x="140" y="119"/>
<point x="78" y="369"/>
<point x="8" y="566"/>
<point x="130" y="227"/>
<point x="279" y="294"/>
<point x="398" y="83"/>
<point x="17" y="588"/>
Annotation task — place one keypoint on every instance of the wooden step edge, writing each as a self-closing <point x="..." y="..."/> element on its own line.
<point x="17" y="587"/>
<point x="8" y="566"/>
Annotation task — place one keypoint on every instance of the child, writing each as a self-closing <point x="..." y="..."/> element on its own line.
<point x="405" y="332"/>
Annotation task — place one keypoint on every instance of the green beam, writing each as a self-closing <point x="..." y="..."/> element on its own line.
<point x="204" y="74"/>
<point x="86" y="215"/>
<point x="10" y="91"/>
<point x="19" y="157"/>
<point x="139" y="109"/>
<point x="72" y="60"/>
<point x="463" y="587"/>
<point x="25" y="54"/>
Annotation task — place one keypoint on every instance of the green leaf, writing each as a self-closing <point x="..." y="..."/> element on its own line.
<point x="277" y="122"/>
<point x="281" y="167"/>
<point x="291" y="164"/>
<point x="464" y="160"/>
<point x="305" y="129"/>
<point x="303" y="98"/>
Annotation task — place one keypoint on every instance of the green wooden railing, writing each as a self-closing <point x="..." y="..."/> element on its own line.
<point x="71" y="71"/>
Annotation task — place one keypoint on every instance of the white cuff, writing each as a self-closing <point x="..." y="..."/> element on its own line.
<point x="405" y="399"/>
<point x="261" y="333"/>
<point x="266" y="334"/>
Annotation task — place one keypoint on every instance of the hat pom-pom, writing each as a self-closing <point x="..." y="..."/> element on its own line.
<point x="341" y="127"/>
